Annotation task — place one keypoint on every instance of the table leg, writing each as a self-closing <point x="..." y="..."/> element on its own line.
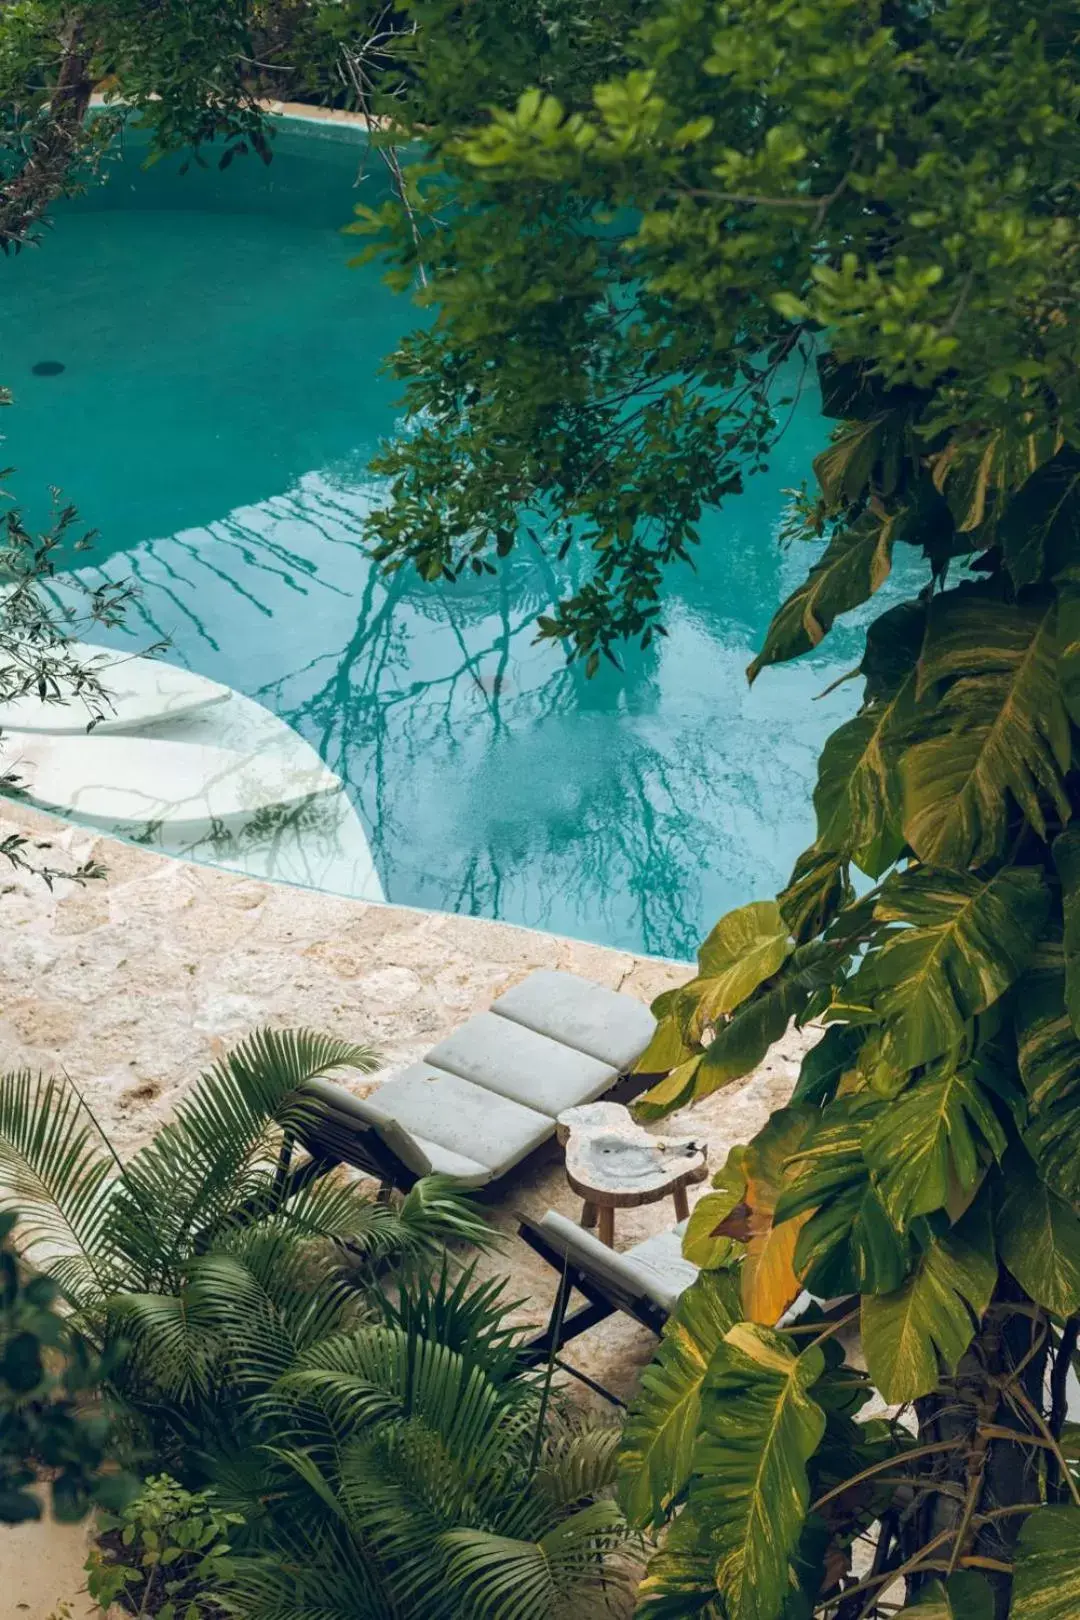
<point x="588" y="1214"/>
<point x="682" y="1207"/>
<point x="607" y="1225"/>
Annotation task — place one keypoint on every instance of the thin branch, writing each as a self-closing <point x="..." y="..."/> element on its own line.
<point x="1017" y="1397"/>
<point x="889" y="1462"/>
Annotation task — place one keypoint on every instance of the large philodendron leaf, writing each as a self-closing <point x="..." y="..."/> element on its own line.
<point x="1067" y="861"/>
<point x="963" y="941"/>
<point x="1037" y="531"/>
<point x="932" y="1142"/>
<point x="909" y="1335"/>
<point x="848" y="1243"/>
<point x="1048" y="1051"/>
<point x="964" y="1596"/>
<point x="744" y="949"/>
<point x="1046" y="1585"/>
<point x="858" y="798"/>
<point x="769" y="1283"/>
<point x="855" y="564"/>
<point x="742" y="1040"/>
<point x="997" y="733"/>
<point x="1039" y="1238"/>
<point x="657" y="1443"/>
<point x="978" y="466"/>
<point x="759" y="1427"/>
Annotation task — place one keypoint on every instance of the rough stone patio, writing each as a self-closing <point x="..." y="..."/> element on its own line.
<point x="134" y="983"/>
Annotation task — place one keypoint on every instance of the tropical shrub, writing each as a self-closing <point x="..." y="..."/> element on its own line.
<point x="164" y="1554"/>
<point x="54" y="1428"/>
<point x="354" y="1398"/>
<point x="631" y="284"/>
<point x="422" y="1473"/>
<point x="156" y="1252"/>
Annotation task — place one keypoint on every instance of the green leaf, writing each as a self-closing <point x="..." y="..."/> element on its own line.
<point x="848" y="1243"/>
<point x="744" y="949"/>
<point x="817" y="889"/>
<point x="1037" y="531"/>
<point x="740" y="1044"/>
<point x="759" y="1428"/>
<point x="1039" y="1239"/>
<point x="963" y="941"/>
<point x="855" y="564"/>
<point x="1067" y="861"/>
<point x="699" y="1245"/>
<point x="1048" y="1052"/>
<point x="964" y="1596"/>
<point x="1046" y="1585"/>
<point x="657" y="1442"/>
<point x="976" y="469"/>
<point x="907" y="1336"/>
<point x="997" y="734"/>
<point x="1069" y="642"/>
<point x="858" y="796"/>
<point x="843" y="470"/>
<point x="827" y="1062"/>
<point x="934" y="1139"/>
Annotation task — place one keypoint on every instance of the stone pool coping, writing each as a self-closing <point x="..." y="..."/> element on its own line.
<point x="136" y="982"/>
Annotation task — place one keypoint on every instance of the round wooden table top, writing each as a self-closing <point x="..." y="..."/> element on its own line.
<point x="613" y="1163"/>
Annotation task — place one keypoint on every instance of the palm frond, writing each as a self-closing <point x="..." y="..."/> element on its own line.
<point x="379" y="1372"/>
<point x="461" y="1313"/>
<point x="565" y="1571"/>
<point x="55" y="1172"/>
<point x="172" y="1338"/>
<point x="577" y="1462"/>
<point x="435" y="1211"/>
<point x="325" y="1577"/>
<point x="215" y="1163"/>
<point x="269" y="1303"/>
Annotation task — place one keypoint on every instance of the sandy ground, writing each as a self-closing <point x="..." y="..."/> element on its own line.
<point x="41" y="1566"/>
<point x="135" y="983"/>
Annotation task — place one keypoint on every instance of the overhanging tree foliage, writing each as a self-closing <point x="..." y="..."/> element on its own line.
<point x="628" y="272"/>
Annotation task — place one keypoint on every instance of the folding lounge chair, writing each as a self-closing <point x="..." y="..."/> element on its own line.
<point x="644" y="1282"/>
<point x="488" y="1095"/>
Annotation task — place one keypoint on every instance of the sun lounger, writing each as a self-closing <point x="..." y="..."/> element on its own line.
<point x="489" y="1094"/>
<point x="645" y="1282"/>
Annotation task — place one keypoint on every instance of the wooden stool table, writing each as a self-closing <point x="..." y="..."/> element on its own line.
<point x="612" y="1163"/>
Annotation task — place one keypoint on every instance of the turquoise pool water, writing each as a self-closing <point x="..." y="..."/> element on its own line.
<point x="215" y="417"/>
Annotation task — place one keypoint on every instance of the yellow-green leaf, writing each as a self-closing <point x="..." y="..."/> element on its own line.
<point x="759" y="1428"/>
<point x="661" y="1426"/>
<point x="1039" y="1240"/>
<point x="997" y="734"/>
<point x="1046" y="1585"/>
<point x="932" y="1141"/>
<point x="855" y="564"/>
<point x="951" y="945"/>
<point x="909" y="1335"/>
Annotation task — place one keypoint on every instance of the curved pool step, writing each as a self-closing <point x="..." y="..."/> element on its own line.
<point x="141" y="692"/>
<point x="197" y="770"/>
<point x="132" y="785"/>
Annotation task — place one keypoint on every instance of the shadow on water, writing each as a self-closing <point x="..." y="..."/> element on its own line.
<point x="219" y="404"/>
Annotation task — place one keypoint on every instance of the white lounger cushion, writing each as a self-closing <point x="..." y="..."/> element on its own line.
<point x="464" y="1119"/>
<point x="345" y="1120"/>
<point x="516" y="1062"/>
<point x="654" y="1268"/>
<point x="608" y="1026"/>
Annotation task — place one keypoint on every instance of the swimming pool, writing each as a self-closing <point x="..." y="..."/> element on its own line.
<point x="215" y="416"/>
